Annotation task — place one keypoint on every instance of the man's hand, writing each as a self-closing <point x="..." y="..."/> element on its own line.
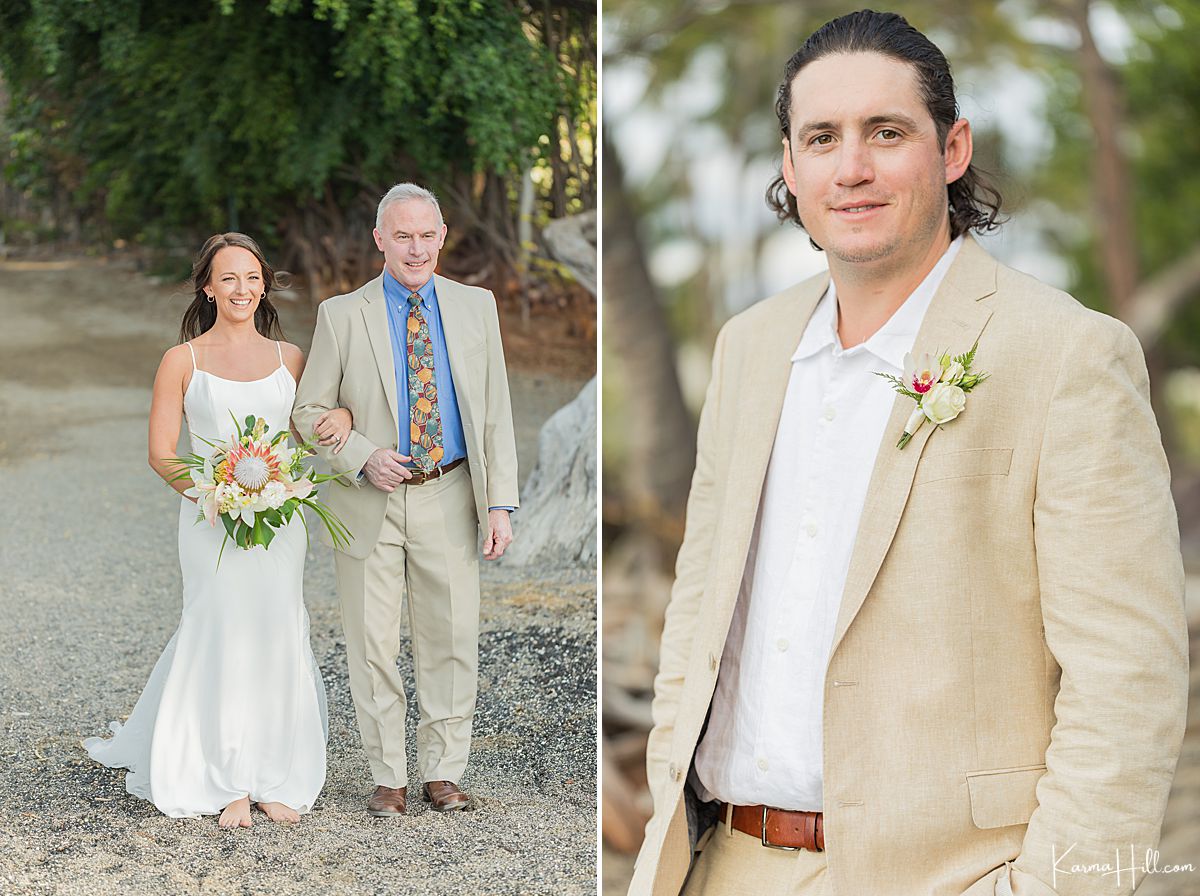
<point x="385" y="470"/>
<point x="499" y="535"/>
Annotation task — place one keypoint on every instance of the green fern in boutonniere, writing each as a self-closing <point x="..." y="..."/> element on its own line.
<point x="938" y="384"/>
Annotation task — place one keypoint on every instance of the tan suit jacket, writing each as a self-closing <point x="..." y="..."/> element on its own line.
<point x="350" y="365"/>
<point x="1008" y="674"/>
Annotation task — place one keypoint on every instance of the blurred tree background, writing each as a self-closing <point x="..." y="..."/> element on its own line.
<point x="1084" y="111"/>
<point x="154" y="123"/>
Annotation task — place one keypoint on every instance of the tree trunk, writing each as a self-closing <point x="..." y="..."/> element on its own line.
<point x="654" y="421"/>
<point x="1156" y="301"/>
<point x="330" y="247"/>
<point x="1111" y="176"/>
<point x="525" y="241"/>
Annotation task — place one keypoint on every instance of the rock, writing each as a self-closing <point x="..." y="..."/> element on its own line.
<point x="556" y="523"/>
<point x="572" y="240"/>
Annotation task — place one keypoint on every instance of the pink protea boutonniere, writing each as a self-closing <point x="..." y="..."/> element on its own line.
<point x="938" y="384"/>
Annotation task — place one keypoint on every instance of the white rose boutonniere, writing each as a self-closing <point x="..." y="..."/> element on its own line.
<point x="938" y="384"/>
<point x="943" y="403"/>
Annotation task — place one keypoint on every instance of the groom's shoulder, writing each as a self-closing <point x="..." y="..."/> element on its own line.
<point x="1024" y="302"/>
<point x="1017" y="291"/>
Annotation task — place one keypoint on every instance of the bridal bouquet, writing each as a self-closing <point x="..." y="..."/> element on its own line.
<point x="254" y="485"/>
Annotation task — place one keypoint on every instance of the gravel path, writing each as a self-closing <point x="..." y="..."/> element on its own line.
<point x="90" y="594"/>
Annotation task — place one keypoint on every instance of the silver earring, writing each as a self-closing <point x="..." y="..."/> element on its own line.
<point x="211" y="299"/>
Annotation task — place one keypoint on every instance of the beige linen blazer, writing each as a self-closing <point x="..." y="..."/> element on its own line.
<point x="1008" y="678"/>
<point x="350" y="365"/>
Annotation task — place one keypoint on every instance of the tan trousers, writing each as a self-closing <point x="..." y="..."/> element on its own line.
<point x="741" y="866"/>
<point x="428" y="550"/>
<point x="735" y="864"/>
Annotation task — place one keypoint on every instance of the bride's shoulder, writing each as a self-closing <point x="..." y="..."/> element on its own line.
<point x="292" y="355"/>
<point x="175" y="368"/>
<point x="177" y="357"/>
<point x="293" y="358"/>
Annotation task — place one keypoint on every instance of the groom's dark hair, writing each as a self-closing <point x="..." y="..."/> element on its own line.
<point x="973" y="201"/>
<point x="201" y="314"/>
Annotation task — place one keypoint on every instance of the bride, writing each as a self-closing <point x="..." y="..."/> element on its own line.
<point x="234" y="711"/>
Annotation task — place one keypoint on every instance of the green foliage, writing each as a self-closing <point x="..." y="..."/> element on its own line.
<point x="1163" y="88"/>
<point x="176" y="117"/>
<point x="1161" y="84"/>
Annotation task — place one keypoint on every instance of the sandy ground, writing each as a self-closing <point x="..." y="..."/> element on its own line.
<point x="90" y="593"/>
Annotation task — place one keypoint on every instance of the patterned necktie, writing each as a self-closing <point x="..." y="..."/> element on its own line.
<point x="425" y="420"/>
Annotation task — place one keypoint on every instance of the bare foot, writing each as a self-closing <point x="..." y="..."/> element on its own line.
<point x="278" y="812"/>
<point x="236" y="814"/>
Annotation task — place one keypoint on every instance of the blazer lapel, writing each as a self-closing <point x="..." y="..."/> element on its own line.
<point x="953" y="323"/>
<point x="764" y="378"/>
<point x="375" y="317"/>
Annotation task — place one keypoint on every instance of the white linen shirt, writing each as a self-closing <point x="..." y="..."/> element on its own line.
<point x="763" y="743"/>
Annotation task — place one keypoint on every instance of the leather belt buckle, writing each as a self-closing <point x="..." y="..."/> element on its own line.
<point x="784" y="829"/>
<point x="768" y="843"/>
<point x="435" y="473"/>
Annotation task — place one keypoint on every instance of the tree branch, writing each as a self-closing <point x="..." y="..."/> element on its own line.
<point x="1155" y="302"/>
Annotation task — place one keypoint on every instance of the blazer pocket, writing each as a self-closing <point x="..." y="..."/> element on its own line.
<point x="961" y="464"/>
<point x="1005" y="797"/>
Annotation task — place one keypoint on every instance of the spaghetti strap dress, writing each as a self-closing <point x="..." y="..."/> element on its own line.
<point x="235" y="705"/>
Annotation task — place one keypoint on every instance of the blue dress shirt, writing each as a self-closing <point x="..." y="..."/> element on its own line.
<point x="453" y="441"/>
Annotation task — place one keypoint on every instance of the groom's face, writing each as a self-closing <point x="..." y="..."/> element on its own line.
<point x="864" y="161"/>
<point x="410" y="237"/>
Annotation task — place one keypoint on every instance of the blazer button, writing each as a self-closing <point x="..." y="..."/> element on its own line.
<point x="712" y="662"/>
<point x="673" y="771"/>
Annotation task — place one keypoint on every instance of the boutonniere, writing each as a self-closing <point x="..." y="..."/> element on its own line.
<point x="938" y="384"/>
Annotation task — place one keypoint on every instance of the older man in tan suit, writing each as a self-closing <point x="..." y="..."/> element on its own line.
<point x="431" y="462"/>
<point x="953" y="667"/>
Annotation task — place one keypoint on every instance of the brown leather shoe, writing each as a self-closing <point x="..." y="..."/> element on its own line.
<point x="445" y="796"/>
<point x="386" y="802"/>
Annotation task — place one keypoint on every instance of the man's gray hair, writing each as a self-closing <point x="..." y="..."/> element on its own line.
<point x="404" y="193"/>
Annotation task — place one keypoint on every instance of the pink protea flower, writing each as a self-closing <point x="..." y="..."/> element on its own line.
<point x="251" y="466"/>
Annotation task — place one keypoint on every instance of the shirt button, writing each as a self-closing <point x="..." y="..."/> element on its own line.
<point x="673" y="771"/>
<point x="811" y="529"/>
<point x="782" y="644"/>
<point x="762" y="765"/>
<point x="830" y="412"/>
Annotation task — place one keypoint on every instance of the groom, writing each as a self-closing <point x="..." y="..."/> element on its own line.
<point x="417" y="359"/>
<point x="953" y="666"/>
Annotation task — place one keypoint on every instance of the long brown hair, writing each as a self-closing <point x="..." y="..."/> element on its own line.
<point x="201" y="314"/>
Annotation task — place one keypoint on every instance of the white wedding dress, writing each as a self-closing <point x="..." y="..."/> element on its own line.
<point x="235" y="706"/>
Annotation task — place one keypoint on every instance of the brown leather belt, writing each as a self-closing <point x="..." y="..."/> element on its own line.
<point x="777" y="828"/>
<point x="420" y="478"/>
